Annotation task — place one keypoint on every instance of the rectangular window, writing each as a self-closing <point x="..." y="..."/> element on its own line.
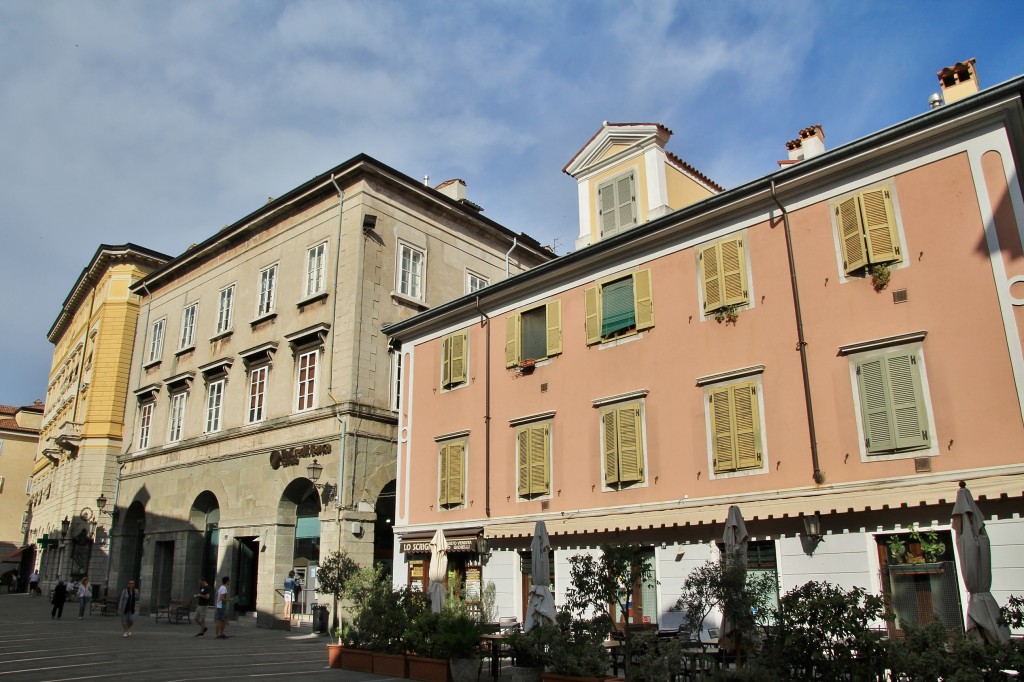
<point x="533" y="460"/>
<point x="619" y="307"/>
<point x="188" y="326"/>
<point x="475" y="282"/>
<point x="315" y="258"/>
<point x="306" y="381"/>
<point x="396" y="380"/>
<point x="257" y="394"/>
<point x="145" y="422"/>
<point x="227" y="299"/>
<point x="410" y="274"/>
<point x="622" y="444"/>
<point x="892" y="403"/>
<point x="156" y="340"/>
<point x="214" y="405"/>
<point x="177" y="420"/>
<point x="268" y="286"/>
<point x="533" y="334"/>
<point x="723" y="274"/>
<point x="868" y="236"/>
<point x="454" y="365"/>
<point x="617" y="210"/>
<point x="735" y="427"/>
<point x="451" y="477"/>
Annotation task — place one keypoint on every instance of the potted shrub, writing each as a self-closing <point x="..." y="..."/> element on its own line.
<point x="530" y="652"/>
<point x="458" y="639"/>
<point x="383" y="622"/>
<point x="334" y="572"/>
<point x="426" y="661"/>
<point x="577" y="649"/>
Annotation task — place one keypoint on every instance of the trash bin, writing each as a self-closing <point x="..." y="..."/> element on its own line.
<point x="320" y="617"/>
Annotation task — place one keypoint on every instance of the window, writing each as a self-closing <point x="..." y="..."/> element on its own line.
<point x="268" y="285"/>
<point x="735" y="427"/>
<point x="616" y="200"/>
<point x="156" y="340"/>
<point x="315" y="269"/>
<point x="145" y="422"/>
<point x="533" y="460"/>
<point x="868" y="236"/>
<point x="475" y="282"/>
<point x="454" y="356"/>
<point x="622" y="444"/>
<point x="257" y="394"/>
<point x="306" y="380"/>
<point x="177" y="417"/>
<point x="619" y="307"/>
<point x="396" y="380"/>
<point x="188" y="326"/>
<point x="723" y="274"/>
<point x="533" y="334"/>
<point x="227" y="299"/>
<point x="452" y="470"/>
<point x="892" y="403"/>
<point x="410" y="272"/>
<point x="214" y="405"/>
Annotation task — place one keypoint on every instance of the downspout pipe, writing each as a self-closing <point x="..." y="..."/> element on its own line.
<point x="485" y="322"/>
<point x="819" y="477"/>
<point x="515" y="242"/>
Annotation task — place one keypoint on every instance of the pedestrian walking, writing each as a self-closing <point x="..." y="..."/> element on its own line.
<point x="221" y="616"/>
<point x="33" y="585"/>
<point x="126" y="607"/>
<point x="84" y="596"/>
<point x="289" y="594"/>
<point x="202" y="598"/>
<point x="60" y="595"/>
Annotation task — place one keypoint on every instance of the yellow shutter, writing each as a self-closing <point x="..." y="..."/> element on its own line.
<point x="643" y="300"/>
<point x="554" y="321"/>
<point x="710" y="277"/>
<point x="631" y="454"/>
<point x="539" y="442"/>
<point x="446" y="362"/>
<point x="748" y="426"/>
<point x="722" y="428"/>
<point x="734" y="271"/>
<point x="592" y="303"/>
<point x="611" y="447"/>
<point x="851" y="236"/>
<point x="459" y="342"/>
<point x="880" y="226"/>
<point x="456" y="472"/>
<point x="523" y="461"/>
<point x="512" y="340"/>
<point x="442" y="495"/>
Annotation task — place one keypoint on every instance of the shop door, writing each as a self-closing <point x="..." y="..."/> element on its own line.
<point x="248" y="570"/>
<point x="163" y="567"/>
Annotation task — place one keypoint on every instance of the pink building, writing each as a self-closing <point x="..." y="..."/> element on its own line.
<point x="839" y="341"/>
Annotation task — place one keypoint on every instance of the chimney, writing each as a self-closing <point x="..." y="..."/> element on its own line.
<point x="810" y="143"/>
<point x="456" y="189"/>
<point x="958" y="81"/>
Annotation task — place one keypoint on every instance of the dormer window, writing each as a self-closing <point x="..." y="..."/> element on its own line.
<point x="616" y="200"/>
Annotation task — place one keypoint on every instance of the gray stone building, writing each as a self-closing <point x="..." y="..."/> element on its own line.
<point x="263" y="425"/>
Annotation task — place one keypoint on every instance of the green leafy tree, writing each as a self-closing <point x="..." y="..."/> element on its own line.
<point x="335" y="570"/>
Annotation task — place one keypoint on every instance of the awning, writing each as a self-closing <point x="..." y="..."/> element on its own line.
<point x="459" y="540"/>
<point x="15" y="555"/>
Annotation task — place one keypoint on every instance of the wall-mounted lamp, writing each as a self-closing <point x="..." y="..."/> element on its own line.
<point x="812" y="532"/>
<point x="101" y="503"/>
<point x="64" y="526"/>
<point x="481" y="546"/>
<point x="313" y="472"/>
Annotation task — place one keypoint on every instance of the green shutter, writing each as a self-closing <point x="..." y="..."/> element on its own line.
<point x="442" y="496"/>
<point x="643" y="300"/>
<point x="446" y="362"/>
<point x="456" y="472"/>
<point x="539" y="444"/>
<point x="625" y="198"/>
<point x="554" y="322"/>
<point x="618" y="312"/>
<point x="748" y="426"/>
<point x="512" y="340"/>
<point x="875" y="406"/>
<point x="608" y="214"/>
<point x="723" y="447"/>
<point x="851" y="236"/>
<point x="631" y="452"/>
<point x="909" y="417"/>
<point x="610" y="456"/>
<point x="880" y="226"/>
<point x="710" y="277"/>
<point x="523" y="461"/>
<point x="592" y="304"/>
<point x="459" y="342"/>
<point x="734" y="271"/>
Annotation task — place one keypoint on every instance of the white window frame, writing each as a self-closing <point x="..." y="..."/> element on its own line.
<point x="316" y="268"/>
<point x="215" y="405"/>
<point x="267" y="297"/>
<point x="475" y="278"/>
<point x="537" y="420"/>
<point x="412" y="286"/>
<point x="395" y="399"/>
<point x="188" y="326"/>
<point x="305" y="388"/>
<point x="257" y="413"/>
<point x="739" y="376"/>
<point x="225" y="309"/>
<point x="145" y="424"/>
<point x="601" y="404"/>
<point x="890" y="185"/>
<point x="176" y="421"/>
<point x="156" y="339"/>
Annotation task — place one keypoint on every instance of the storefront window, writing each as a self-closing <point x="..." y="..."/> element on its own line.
<point x="919" y="579"/>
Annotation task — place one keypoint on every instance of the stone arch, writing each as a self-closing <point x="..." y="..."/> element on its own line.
<point x="202" y="546"/>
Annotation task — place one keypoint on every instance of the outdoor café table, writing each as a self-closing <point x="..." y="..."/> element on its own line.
<point x="700" y="657"/>
<point x="495" y="642"/>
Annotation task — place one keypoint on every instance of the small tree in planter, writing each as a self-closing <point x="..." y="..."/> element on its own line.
<point x="458" y="639"/>
<point x="576" y="648"/>
<point x="334" y="572"/>
<point x="531" y="652"/>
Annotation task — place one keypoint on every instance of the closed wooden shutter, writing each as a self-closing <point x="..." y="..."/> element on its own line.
<point x="523" y="461"/>
<point x="851" y="236"/>
<point x="874" y="405"/>
<point x="710" y="277"/>
<point x="459" y="342"/>
<point x="880" y="226"/>
<point x="643" y="300"/>
<point x="892" y="404"/>
<point x="456" y="472"/>
<point x="554" y="322"/>
<point x="734" y="271"/>
<point x="442" y="476"/>
<point x="446" y="362"/>
<point x="748" y="426"/>
<point x="512" y="340"/>
<point x="540" y="439"/>
<point x="723" y="445"/>
<point x="611" y="447"/>
<point x="631" y="455"/>
<point x="592" y="304"/>
<point x="607" y="203"/>
<point x="626" y="201"/>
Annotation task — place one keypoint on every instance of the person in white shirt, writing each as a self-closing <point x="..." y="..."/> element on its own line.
<point x="84" y="596"/>
<point x="221" y="616"/>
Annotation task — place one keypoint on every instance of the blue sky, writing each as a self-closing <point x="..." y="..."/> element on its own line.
<point x="160" y="122"/>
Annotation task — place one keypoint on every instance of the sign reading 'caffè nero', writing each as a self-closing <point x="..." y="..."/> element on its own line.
<point x="286" y="457"/>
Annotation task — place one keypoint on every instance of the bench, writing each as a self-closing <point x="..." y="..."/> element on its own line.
<point x="175" y="609"/>
<point x="107" y="606"/>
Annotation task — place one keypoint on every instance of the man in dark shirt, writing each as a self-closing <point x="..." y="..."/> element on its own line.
<point x="202" y="598"/>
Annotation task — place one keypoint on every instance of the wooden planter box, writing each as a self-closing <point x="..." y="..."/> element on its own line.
<point x="428" y="669"/>
<point x="334" y="655"/>
<point x="917" y="569"/>
<point x="390" y="665"/>
<point x="357" y="660"/>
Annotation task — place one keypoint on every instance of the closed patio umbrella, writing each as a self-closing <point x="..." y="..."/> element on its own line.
<point x="541" y="604"/>
<point x="438" y="570"/>
<point x="975" y="551"/>
<point x="735" y="539"/>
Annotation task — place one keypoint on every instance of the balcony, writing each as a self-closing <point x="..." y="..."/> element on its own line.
<point x="68" y="436"/>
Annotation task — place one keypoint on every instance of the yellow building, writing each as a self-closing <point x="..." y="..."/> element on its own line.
<point x="19" y="434"/>
<point x="83" y="422"/>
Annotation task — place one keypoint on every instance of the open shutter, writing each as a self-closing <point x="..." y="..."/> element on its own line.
<point x="442" y="495"/>
<point x="523" y="461"/>
<point x="456" y="472"/>
<point x="607" y="208"/>
<point x="611" y="447"/>
<point x="458" y="362"/>
<point x="631" y="455"/>
<point x="875" y="406"/>
<point x="748" y="426"/>
<point x="625" y="198"/>
<point x="909" y="418"/>
<point x="592" y="303"/>
<point x="710" y="277"/>
<point x="851" y="236"/>
<point x="642" y="300"/>
<point x="734" y="272"/>
<point x="723" y="448"/>
<point x="539" y="436"/>
<point x="554" y="322"/>
<point x="512" y="340"/>
<point x="446" y="362"/>
<point x="880" y="226"/>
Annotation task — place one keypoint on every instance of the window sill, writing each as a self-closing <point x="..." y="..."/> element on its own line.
<point x="313" y="298"/>
<point x="151" y="364"/>
<point x="408" y="300"/>
<point x="182" y="351"/>
<point x="627" y="337"/>
<point x="221" y="336"/>
<point x="267" y="317"/>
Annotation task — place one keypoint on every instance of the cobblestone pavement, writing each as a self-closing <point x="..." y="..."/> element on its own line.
<point x="34" y="647"/>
